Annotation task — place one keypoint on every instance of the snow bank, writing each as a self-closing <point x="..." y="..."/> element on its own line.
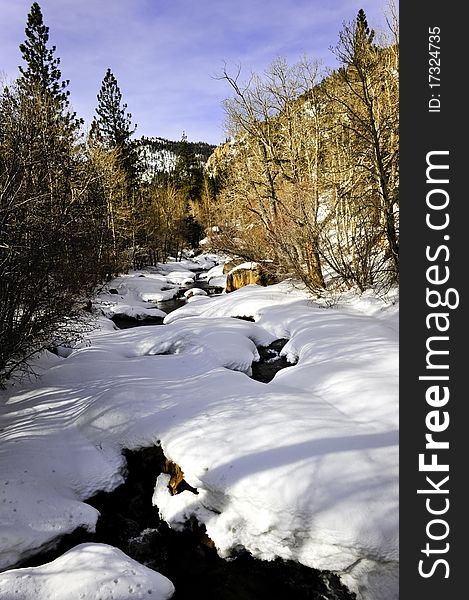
<point x="203" y="261"/>
<point x="134" y="311"/>
<point x="134" y="295"/>
<point x="250" y="300"/>
<point x="88" y="571"/>
<point x="304" y="467"/>
<point x="137" y="287"/>
<point x="215" y="276"/>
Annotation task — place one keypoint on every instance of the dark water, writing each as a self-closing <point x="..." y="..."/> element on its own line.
<point x="270" y="361"/>
<point x="189" y="559"/>
<point x="170" y="305"/>
<point x="124" y="322"/>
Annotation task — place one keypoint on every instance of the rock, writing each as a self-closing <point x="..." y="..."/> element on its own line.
<point x="194" y="292"/>
<point x="177" y="483"/>
<point x="246" y="274"/>
<point x="231" y="264"/>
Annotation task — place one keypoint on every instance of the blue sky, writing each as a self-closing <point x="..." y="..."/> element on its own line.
<point x="166" y="54"/>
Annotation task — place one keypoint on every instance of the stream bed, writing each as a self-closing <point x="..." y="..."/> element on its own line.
<point x="130" y="522"/>
<point x="189" y="559"/>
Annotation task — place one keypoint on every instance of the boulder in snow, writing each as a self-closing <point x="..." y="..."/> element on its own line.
<point x="245" y="274"/>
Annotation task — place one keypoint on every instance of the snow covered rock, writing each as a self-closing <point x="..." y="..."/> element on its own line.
<point x="87" y="572"/>
<point x="194" y="292"/>
<point x="132" y="311"/>
<point x="246" y="274"/>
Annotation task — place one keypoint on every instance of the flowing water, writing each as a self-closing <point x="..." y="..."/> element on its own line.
<point x="189" y="559"/>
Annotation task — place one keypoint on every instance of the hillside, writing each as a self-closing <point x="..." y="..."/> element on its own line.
<point x="158" y="155"/>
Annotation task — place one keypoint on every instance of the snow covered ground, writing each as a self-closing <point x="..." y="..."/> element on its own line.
<point x="136" y="294"/>
<point x="87" y="572"/>
<point x="304" y="467"/>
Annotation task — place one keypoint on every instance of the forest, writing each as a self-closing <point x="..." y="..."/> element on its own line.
<point x="306" y="183"/>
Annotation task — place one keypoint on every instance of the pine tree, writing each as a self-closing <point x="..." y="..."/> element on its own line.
<point x="363" y="34"/>
<point x="369" y="96"/>
<point x="188" y="172"/>
<point x="42" y="73"/>
<point x="112" y="126"/>
<point x="111" y="131"/>
<point x="51" y="218"/>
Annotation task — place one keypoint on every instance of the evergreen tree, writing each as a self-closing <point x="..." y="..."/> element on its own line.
<point x="364" y="49"/>
<point x="42" y="73"/>
<point x="188" y="172"/>
<point x="51" y="218"/>
<point x="372" y="123"/>
<point x="111" y="131"/>
<point x="112" y="126"/>
<point x="362" y="31"/>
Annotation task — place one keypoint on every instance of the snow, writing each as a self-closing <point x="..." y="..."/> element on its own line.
<point x="149" y="287"/>
<point x="194" y="292"/>
<point x="245" y="266"/>
<point x="134" y="295"/>
<point x="304" y="467"/>
<point x="250" y="300"/>
<point x="202" y="261"/>
<point x="215" y="276"/>
<point x="218" y="281"/>
<point x="135" y="311"/>
<point x="92" y="571"/>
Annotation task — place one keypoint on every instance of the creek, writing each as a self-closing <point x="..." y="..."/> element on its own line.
<point x="130" y="522"/>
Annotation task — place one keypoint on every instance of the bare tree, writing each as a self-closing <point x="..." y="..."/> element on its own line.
<point x="275" y="166"/>
<point x="311" y="175"/>
<point x="367" y="101"/>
